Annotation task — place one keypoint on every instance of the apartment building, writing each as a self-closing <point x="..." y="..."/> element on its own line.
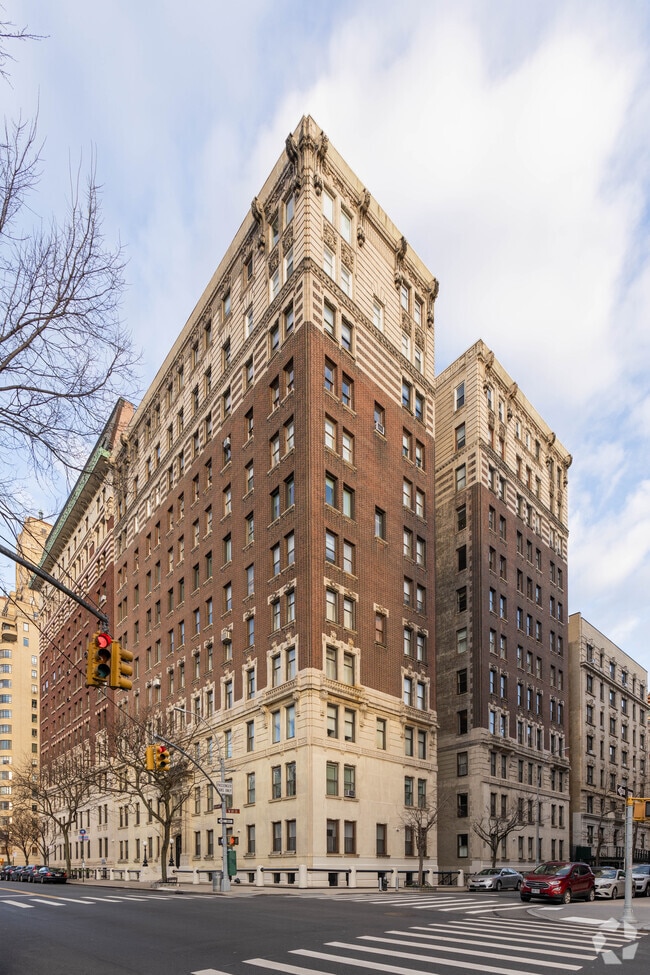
<point x="19" y="697"/>
<point x="274" y="541"/>
<point x="609" y="744"/>
<point x="501" y="619"/>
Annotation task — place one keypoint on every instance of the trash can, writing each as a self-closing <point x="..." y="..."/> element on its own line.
<point x="217" y="878"/>
<point x="383" y="882"/>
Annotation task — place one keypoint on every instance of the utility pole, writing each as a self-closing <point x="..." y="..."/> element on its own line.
<point x="220" y="789"/>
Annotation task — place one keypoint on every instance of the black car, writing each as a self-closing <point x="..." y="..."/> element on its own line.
<point x="7" y="871"/>
<point x="50" y="875"/>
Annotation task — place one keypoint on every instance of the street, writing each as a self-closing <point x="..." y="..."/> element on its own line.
<point x="91" y="930"/>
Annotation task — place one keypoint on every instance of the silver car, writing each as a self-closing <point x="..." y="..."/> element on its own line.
<point x="495" y="878"/>
<point x="610" y="882"/>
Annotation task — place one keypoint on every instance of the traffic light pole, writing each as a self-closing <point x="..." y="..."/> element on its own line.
<point x="225" y="878"/>
<point x="628" y="914"/>
<point x="97" y="613"/>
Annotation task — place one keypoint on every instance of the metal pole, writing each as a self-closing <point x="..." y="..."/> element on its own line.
<point x="225" y="880"/>
<point x="97" y="613"/>
<point x="628" y="914"/>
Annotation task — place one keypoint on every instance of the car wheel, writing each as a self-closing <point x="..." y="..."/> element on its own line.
<point x="518" y="887"/>
<point x="566" y="896"/>
<point x="498" y="885"/>
<point x="614" y="893"/>
<point x="525" y="897"/>
<point x="591" y="896"/>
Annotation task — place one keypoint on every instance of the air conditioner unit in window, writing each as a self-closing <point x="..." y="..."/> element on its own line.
<point x="350" y="794"/>
<point x="379" y="427"/>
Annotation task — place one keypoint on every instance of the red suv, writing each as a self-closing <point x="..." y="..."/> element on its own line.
<point x="559" y="880"/>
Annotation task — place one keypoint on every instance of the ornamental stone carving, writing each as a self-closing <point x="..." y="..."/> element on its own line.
<point x="347" y="257"/>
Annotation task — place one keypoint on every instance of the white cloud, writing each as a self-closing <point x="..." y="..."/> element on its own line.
<point x="508" y="141"/>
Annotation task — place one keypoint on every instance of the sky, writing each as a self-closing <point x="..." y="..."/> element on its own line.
<point x="507" y="139"/>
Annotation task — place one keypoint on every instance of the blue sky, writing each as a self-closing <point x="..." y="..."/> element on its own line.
<point x="508" y="141"/>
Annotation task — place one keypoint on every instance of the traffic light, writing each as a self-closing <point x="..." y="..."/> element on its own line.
<point x="162" y="758"/>
<point x="99" y="663"/>
<point x="150" y="759"/>
<point x="233" y="841"/>
<point x="641" y="811"/>
<point x="121" y="669"/>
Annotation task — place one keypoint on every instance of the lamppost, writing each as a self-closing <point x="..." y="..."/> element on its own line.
<point x="220" y="788"/>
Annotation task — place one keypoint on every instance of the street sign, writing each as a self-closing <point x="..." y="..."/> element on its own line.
<point x="621" y="791"/>
<point x="227" y="820"/>
<point x="232" y="811"/>
<point x="82" y="832"/>
<point x="224" y="788"/>
<point x="84" y="836"/>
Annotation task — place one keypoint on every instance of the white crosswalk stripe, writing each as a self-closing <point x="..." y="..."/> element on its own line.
<point x="498" y="946"/>
<point x="16" y="903"/>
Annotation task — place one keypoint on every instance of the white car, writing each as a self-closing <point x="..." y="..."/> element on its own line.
<point x="495" y="878"/>
<point x="610" y="882"/>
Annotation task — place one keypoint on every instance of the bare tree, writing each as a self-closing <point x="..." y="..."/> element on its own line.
<point x="5" y="843"/>
<point x="162" y="792"/>
<point x="494" y="829"/>
<point x="46" y="837"/>
<point x="420" y="820"/>
<point x="609" y="804"/>
<point x="64" y="353"/>
<point x="57" y="791"/>
<point x="24" y="830"/>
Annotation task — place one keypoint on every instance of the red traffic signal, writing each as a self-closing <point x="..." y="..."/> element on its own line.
<point x="98" y="669"/>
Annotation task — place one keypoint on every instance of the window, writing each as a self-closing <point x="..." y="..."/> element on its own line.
<point x="382" y="839"/>
<point x="459" y="435"/>
<point x="347" y="387"/>
<point x="332" y="830"/>
<point x="459" y="396"/>
<point x="461" y="477"/>
<point x="330" y="376"/>
<point x="346" y="335"/>
<point x="380" y="419"/>
<point x="380" y="524"/>
<point x="330" y="434"/>
<point x="347" y="447"/>
<point x="329" y="320"/>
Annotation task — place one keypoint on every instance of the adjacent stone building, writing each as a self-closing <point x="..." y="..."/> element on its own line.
<point x="501" y="619"/>
<point x="609" y="744"/>
<point x="19" y="692"/>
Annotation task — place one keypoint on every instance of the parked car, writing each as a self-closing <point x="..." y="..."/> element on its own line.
<point x="610" y="882"/>
<point x="641" y="878"/>
<point x="559" y="880"/>
<point x="18" y="873"/>
<point x="27" y="876"/>
<point x="50" y="875"/>
<point x="7" y="871"/>
<point x="495" y="878"/>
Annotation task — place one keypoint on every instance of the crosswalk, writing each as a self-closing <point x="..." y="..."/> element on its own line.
<point x="499" y="946"/>
<point x="446" y="903"/>
<point x="33" y="901"/>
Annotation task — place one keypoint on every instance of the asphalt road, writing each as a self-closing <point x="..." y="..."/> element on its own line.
<point x="87" y="930"/>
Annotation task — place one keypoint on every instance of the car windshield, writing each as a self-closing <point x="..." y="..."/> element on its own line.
<point x="606" y="872"/>
<point x="552" y="869"/>
<point x="488" y="872"/>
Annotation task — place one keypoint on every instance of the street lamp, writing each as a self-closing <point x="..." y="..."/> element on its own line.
<point x="225" y="879"/>
<point x="145" y="862"/>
